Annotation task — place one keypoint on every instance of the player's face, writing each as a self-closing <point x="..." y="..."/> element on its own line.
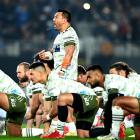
<point x="93" y="78"/>
<point x="118" y="72"/>
<point x="21" y="75"/>
<point x="58" y="21"/>
<point x="35" y="76"/>
<point x="82" y="78"/>
<point x="113" y="71"/>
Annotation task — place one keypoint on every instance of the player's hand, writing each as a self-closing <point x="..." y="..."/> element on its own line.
<point x="42" y="55"/>
<point x="29" y="116"/>
<point x="45" y="117"/>
<point x="61" y="72"/>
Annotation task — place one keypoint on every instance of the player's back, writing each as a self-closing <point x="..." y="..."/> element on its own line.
<point x="124" y="85"/>
<point x="134" y="77"/>
<point x="68" y="86"/>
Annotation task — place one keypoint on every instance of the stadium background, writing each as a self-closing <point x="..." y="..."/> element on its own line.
<point x="109" y="30"/>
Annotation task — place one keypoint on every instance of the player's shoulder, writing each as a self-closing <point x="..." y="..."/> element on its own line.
<point x="109" y="78"/>
<point x="114" y="76"/>
<point x="38" y="85"/>
<point x="69" y="32"/>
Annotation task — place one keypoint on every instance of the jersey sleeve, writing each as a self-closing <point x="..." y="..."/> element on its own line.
<point x="114" y="82"/>
<point x="69" y="39"/>
<point x="47" y="97"/>
<point x="37" y="88"/>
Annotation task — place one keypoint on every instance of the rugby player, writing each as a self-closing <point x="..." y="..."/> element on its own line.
<point x="13" y="101"/>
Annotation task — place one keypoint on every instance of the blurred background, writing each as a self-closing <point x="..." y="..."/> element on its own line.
<point x="109" y="30"/>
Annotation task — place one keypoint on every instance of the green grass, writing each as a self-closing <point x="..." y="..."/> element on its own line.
<point x="128" y="133"/>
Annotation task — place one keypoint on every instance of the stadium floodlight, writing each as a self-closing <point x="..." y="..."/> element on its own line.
<point x="86" y="6"/>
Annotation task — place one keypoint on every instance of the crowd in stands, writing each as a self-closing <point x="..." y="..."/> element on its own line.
<point x="29" y="23"/>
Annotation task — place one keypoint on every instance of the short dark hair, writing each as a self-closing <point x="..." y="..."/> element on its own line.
<point x="81" y="69"/>
<point x="66" y="14"/>
<point x="95" y="67"/>
<point x="37" y="64"/>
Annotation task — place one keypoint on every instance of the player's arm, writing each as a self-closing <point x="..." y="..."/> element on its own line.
<point x="35" y="103"/>
<point x="69" y="50"/>
<point x="36" y="92"/>
<point x="34" y="106"/>
<point x="53" y="111"/>
<point x="46" y="109"/>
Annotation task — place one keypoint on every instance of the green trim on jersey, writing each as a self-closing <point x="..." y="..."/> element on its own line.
<point x="36" y="92"/>
<point x="69" y="43"/>
<point x="48" y="99"/>
<point x="53" y="98"/>
<point x="112" y="91"/>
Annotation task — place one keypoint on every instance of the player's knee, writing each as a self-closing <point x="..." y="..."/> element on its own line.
<point x="62" y="99"/>
<point x="13" y="129"/>
<point x="83" y="135"/>
<point x="39" y="112"/>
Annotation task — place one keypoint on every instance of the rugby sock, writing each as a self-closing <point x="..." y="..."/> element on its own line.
<point x="117" y="118"/>
<point x="53" y="126"/>
<point x="60" y="127"/>
<point x="62" y="116"/>
<point x="29" y="132"/>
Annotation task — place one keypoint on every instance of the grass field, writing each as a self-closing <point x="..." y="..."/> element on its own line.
<point x="128" y="133"/>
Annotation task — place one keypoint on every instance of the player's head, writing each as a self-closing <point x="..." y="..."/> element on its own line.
<point x="23" y="72"/>
<point x="66" y="14"/>
<point x="120" y="68"/>
<point x="82" y="76"/>
<point x="95" y="76"/>
<point x="61" y="19"/>
<point x="38" y="72"/>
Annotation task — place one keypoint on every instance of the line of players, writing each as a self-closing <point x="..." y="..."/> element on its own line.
<point x="79" y="97"/>
<point x="62" y="92"/>
<point x="117" y="94"/>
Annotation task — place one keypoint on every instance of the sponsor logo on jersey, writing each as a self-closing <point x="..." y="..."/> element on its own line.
<point x="56" y="47"/>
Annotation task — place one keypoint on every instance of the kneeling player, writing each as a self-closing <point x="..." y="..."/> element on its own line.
<point x="13" y="101"/>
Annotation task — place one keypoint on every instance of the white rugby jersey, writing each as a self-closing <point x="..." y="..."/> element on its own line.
<point x="28" y="89"/>
<point x="69" y="36"/>
<point x="60" y="85"/>
<point x="134" y="77"/>
<point x="37" y="88"/>
<point x="124" y="85"/>
<point x="8" y="86"/>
